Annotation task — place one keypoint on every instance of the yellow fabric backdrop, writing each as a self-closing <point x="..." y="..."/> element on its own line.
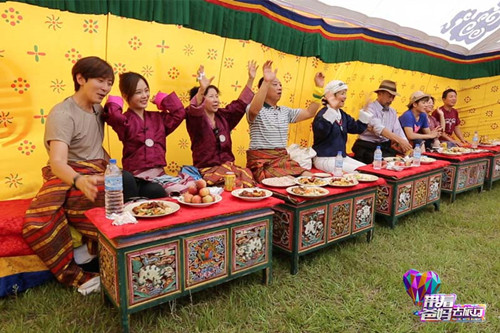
<point x="38" y="47"/>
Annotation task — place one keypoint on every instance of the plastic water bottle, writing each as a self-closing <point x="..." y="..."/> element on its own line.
<point x="417" y="153"/>
<point x="113" y="187"/>
<point x="377" y="159"/>
<point x="339" y="164"/>
<point x="475" y="140"/>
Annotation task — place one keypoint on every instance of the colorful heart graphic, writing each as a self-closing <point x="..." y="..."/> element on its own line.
<point x="418" y="284"/>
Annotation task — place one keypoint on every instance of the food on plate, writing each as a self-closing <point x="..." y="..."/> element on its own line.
<point x="363" y="177"/>
<point x="483" y="140"/>
<point x="399" y="160"/>
<point x="459" y="149"/>
<point x="198" y="193"/>
<point x="425" y="159"/>
<point x="403" y="163"/>
<point x="307" y="191"/>
<point x="344" y="181"/>
<point x="409" y="152"/>
<point x="314" y="181"/>
<point x="252" y="194"/>
<point x="151" y="208"/>
<point x="456" y="151"/>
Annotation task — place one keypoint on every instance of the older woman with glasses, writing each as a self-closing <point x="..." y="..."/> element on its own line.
<point x="209" y="127"/>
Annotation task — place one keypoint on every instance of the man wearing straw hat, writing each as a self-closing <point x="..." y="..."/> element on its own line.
<point x="384" y="130"/>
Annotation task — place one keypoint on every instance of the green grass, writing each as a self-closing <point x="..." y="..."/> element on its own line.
<point x="351" y="287"/>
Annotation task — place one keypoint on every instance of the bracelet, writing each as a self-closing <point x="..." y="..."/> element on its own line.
<point x="317" y="94"/>
<point x="75" y="179"/>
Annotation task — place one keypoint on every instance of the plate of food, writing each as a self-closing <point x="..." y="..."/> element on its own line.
<point x="364" y="177"/>
<point x="279" y="181"/>
<point x="343" y="181"/>
<point x="427" y="160"/>
<point x="252" y="194"/>
<point x="311" y="181"/>
<point x="152" y="208"/>
<point x="393" y="158"/>
<point x="307" y="191"/>
<point x="451" y="152"/>
<point x="193" y="201"/>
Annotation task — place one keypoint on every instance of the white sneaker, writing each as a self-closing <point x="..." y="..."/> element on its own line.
<point x="81" y="255"/>
<point x="91" y="286"/>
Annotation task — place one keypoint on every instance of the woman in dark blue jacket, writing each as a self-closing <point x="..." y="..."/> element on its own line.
<point x="330" y="128"/>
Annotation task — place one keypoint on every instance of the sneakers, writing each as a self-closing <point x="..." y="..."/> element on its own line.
<point x="91" y="286"/>
<point x="81" y="255"/>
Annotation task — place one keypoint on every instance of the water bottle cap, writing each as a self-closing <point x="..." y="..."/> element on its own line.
<point x="417" y="145"/>
<point x="378" y="147"/>
<point x="112" y="161"/>
<point x="340" y="152"/>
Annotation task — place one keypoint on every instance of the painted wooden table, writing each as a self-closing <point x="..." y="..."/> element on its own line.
<point x="465" y="172"/>
<point x="160" y="259"/>
<point x="408" y="190"/>
<point x="302" y="226"/>
<point x="493" y="170"/>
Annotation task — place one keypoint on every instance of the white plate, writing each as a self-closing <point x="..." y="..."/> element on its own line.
<point x="314" y="191"/>
<point x="392" y="158"/>
<point x="332" y="180"/>
<point x="171" y="208"/>
<point x="237" y="193"/>
<point x="365" y="178"/>
<point x="322" y="174"/>
<point x="319" y="181"/>
<point x="203" y="204"/>
<point x="427" y="160"/>
<point x="279" y="181"/>
<point x="451" y="153"/>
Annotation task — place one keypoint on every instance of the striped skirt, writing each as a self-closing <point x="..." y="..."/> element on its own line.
<point x="268" y="163"/>
<point x="215" y="175"/>
<point x="47" y="222"/>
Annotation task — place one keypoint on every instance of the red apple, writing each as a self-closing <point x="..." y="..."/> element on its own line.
<point x="204" y="192"/>
<point x="188" y="197"/>
<point x="201" y="183"/>
<point x="193" y="190"/>
<point x="207" y="199"/>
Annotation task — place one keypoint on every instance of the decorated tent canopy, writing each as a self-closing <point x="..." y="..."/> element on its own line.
<point x="453" y="46"/>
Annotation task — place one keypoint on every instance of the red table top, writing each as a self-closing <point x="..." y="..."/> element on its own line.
<point x="405" y="172"/>
<point x="186" y="214"/>
<point x="459" y="158"/>
<point x="495" y="149"/>
<point x="332" y="190"/>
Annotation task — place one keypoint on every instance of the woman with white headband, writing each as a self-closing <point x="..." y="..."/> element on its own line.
<point x="330" y="128"/>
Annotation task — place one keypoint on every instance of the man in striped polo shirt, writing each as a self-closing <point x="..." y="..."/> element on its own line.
<point x="267" y="156"/>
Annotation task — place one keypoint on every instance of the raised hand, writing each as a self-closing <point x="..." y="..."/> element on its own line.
<point x="268" y="73"/>
<point x="319" y="80"/>
<point x="252" y="69"/>
<point x="202" y="78"/>
<point x="330" y="98"/>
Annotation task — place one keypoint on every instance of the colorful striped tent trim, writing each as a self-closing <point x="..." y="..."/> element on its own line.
<point x="290" y="32"/>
